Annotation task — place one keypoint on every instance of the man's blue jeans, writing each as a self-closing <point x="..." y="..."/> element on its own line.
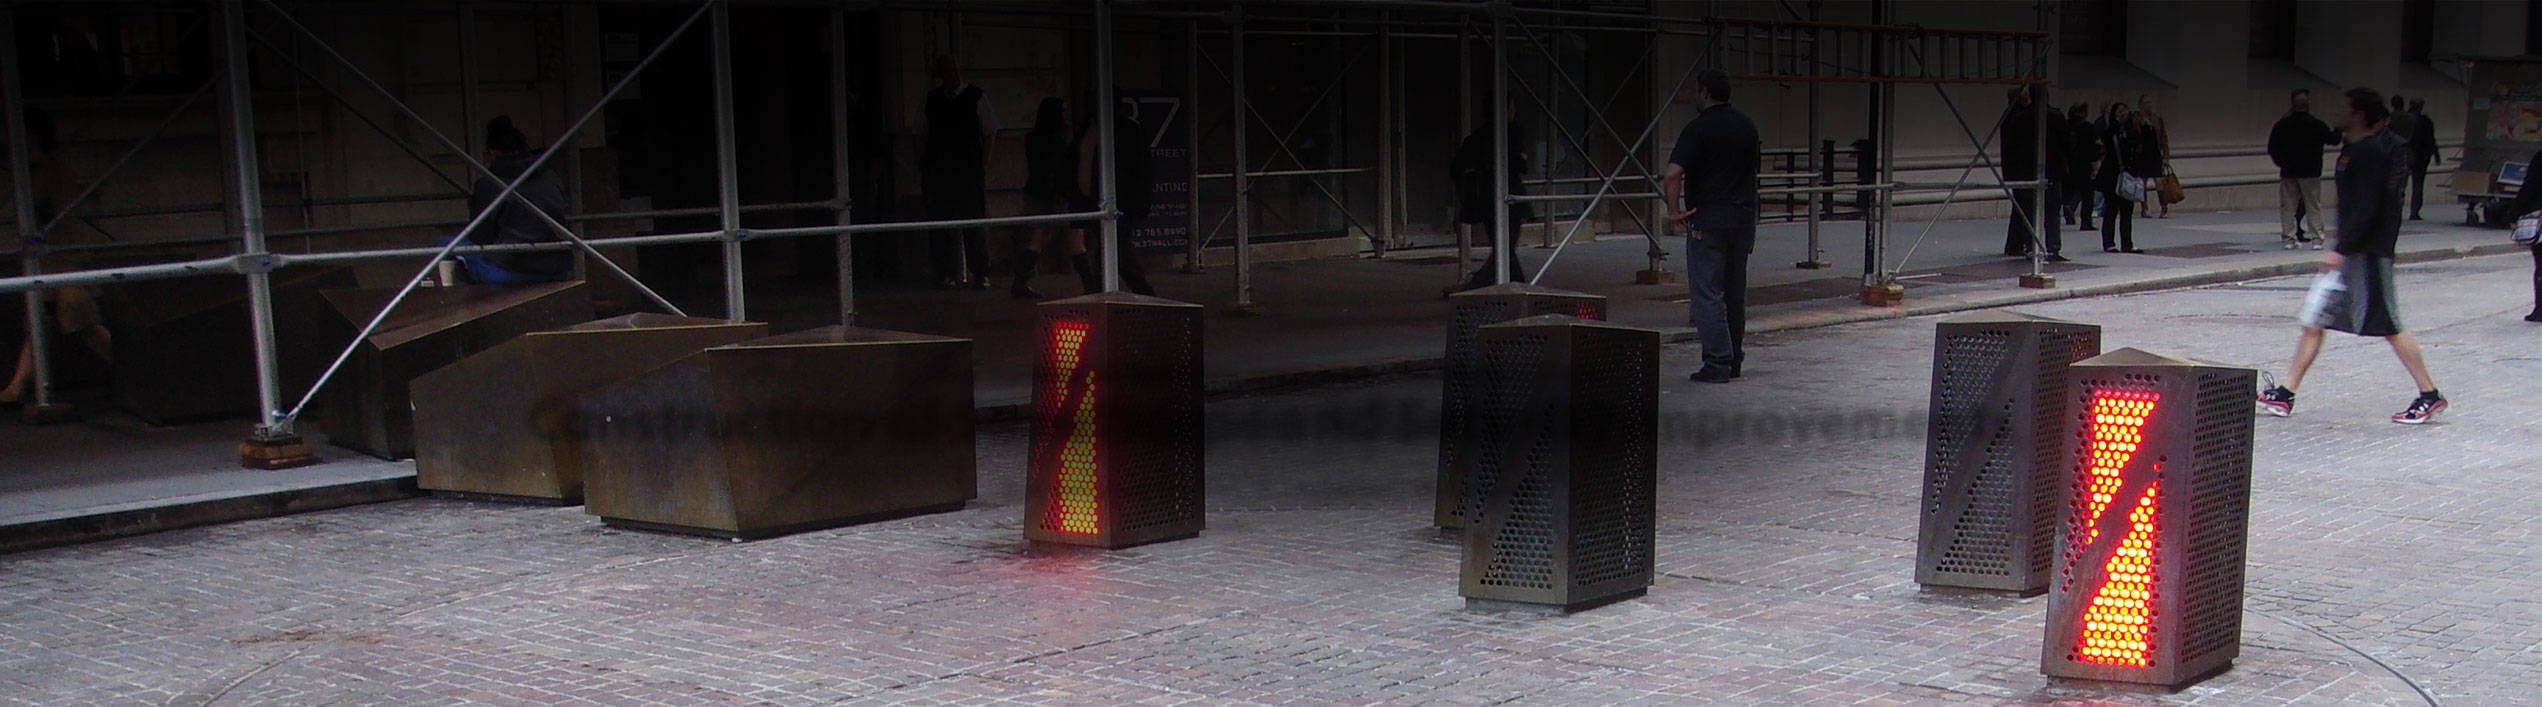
<point x="1716" y="288"/>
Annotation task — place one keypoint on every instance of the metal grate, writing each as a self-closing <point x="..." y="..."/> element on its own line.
<point x="1460" y="386"/>
<point x="1517" y="449"/>
<point x="1980" y="539"/>
<point x="2219" y="515"/>
<point x="1613" y="507"/>
<point x="1155" y="379"/>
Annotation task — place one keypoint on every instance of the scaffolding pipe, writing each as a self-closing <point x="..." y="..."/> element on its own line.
<point x="1464" y="129"/>
<point x="239" y="113"/>
<point x="1238" y="108"/>
<point x="1191" y="145"/>
<point x="1502" y="256"/>
<point x="1106" y="133"/>
<point x="456" y="149"/>
<point x="1385" y="235"/>
<point x="1817" y="254"/>
<point x="842" y="168"/>
<point x="727" y="169"/>
<point x="509" y="188"/>
<point x="22" y="188"/>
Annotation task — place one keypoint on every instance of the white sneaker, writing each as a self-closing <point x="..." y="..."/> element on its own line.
<point x="2290" y="244"/>
<point x="2316" y="244"/>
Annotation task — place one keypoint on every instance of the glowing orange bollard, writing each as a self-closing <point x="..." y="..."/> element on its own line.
<point x="2149" y="585"/>
<point x="1115" y="457"/>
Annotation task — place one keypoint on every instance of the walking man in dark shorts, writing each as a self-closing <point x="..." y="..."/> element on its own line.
<point x="2372" y="176"/>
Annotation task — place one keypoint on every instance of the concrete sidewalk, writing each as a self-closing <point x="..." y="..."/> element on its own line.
<point x="1322" y="321"/>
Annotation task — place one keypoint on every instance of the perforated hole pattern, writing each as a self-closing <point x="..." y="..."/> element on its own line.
<point x="1522" y="548"/>
<point x="2219" y="515"/>
<point x="1156" y="443"/>
<point x="1980" y="542"/>
<point x="2059" y="348"/>
<point x="1612" y="467"/>
<point x="1464" y="376"/>
<point x="2138" y="642"/>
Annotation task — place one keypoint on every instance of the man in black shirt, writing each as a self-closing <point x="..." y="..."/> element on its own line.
<point x="961" y="131"/>
<point x="2355" y="292"/>
<point x="2021" y="156"/>
<point x="2295" y="145"/>
<point x="1717" y="152"/>
<point x="2422" y="153"/>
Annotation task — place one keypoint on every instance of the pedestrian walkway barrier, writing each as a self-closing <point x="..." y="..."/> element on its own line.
<point x="1562" y="509"/>
<point x="1117" y="437"/>
<point x="1993" y="460"/>
<point x="1462" y="383"/>
<point x="507" y="422"/>
<point x="366" y="408"/>
<point x="2149" y="586"/>
<point x="804" y="431"/>
<point x="182" y="349"/>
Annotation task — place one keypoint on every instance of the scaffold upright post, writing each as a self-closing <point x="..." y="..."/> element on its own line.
<point x="273" y="444"/>
<point x="1384" y="238"/>
<point x="1194" y="240"/>
<point x="727" y="172"/>
<point x="1106" y="162"/>
<point x="39" y="393"/>
<point x="1817" y="257"/>
<point x="1237" y="105"/>
<point x="842" y="168"/>
<point x="1501" y="242"/>
<point x="2043" y="208"/>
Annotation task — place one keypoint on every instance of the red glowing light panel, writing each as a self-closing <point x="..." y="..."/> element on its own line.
<point x="1074" y="506"/>
<point x="2118" y="626"/>
<point x="1586" y="309"/>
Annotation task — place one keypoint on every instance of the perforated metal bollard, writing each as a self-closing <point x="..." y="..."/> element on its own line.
<point x="1116" y="437"/>
<point x="1564" y="516"/>
<point x="2150" y="575"/>
<point x="1462" y="380"/>
<point x="1993" y="469"/>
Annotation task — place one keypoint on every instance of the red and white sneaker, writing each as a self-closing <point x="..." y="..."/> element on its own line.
<point x="2421" y="410"/>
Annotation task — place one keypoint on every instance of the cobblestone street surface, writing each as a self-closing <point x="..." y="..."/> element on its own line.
<point x="1787" y="529"/>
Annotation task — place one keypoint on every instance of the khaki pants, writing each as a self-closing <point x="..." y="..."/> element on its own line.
<point x="2306" y="192"/>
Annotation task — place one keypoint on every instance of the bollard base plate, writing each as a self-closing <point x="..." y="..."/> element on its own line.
<point x="1040" y="543"/>
<point x="2141" y="688"/>
<point x="1655" y="277"/>
<point x="1890" y="295"/>
<point x="1504" y="606"/>
<point x="2039" y="282"/>
<point x="1243" y="310"/>
<point x="276" y="453"/>
<point x="53" y="414"/>
<point x="1944" y="590"/>
<point x="1813" y="265"/>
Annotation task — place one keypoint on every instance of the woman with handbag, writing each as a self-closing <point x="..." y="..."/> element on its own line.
<point x="2118" y="183"/>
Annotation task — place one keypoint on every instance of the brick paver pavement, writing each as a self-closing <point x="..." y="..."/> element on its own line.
<point x="1786" y="556"/>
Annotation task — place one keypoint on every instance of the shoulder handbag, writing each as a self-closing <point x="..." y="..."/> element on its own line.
<point x="2528" y="228"/>
<point x="2131" y="188"/>
<point x="2171" y="191"/>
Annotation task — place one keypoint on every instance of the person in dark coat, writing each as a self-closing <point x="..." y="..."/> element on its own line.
<point x="2294" y="144"/>
<point x="2422" y="154"/>
<point x="1050" y="187"/>
<point x="508" y="156"/>
<point x="2121" y="151"/>
<point x="960" y="128"/>
<point x="2081" y="163"/>
<point x="1130" y="164"/>
<point x="1472" y="171"/>
<point x="2022" y="162"/>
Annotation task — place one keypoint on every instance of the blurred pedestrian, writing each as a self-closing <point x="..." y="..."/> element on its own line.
<point x="2355" y="292"/>
<point x="960" y="128"/>
<point x="2422" y="154"/>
